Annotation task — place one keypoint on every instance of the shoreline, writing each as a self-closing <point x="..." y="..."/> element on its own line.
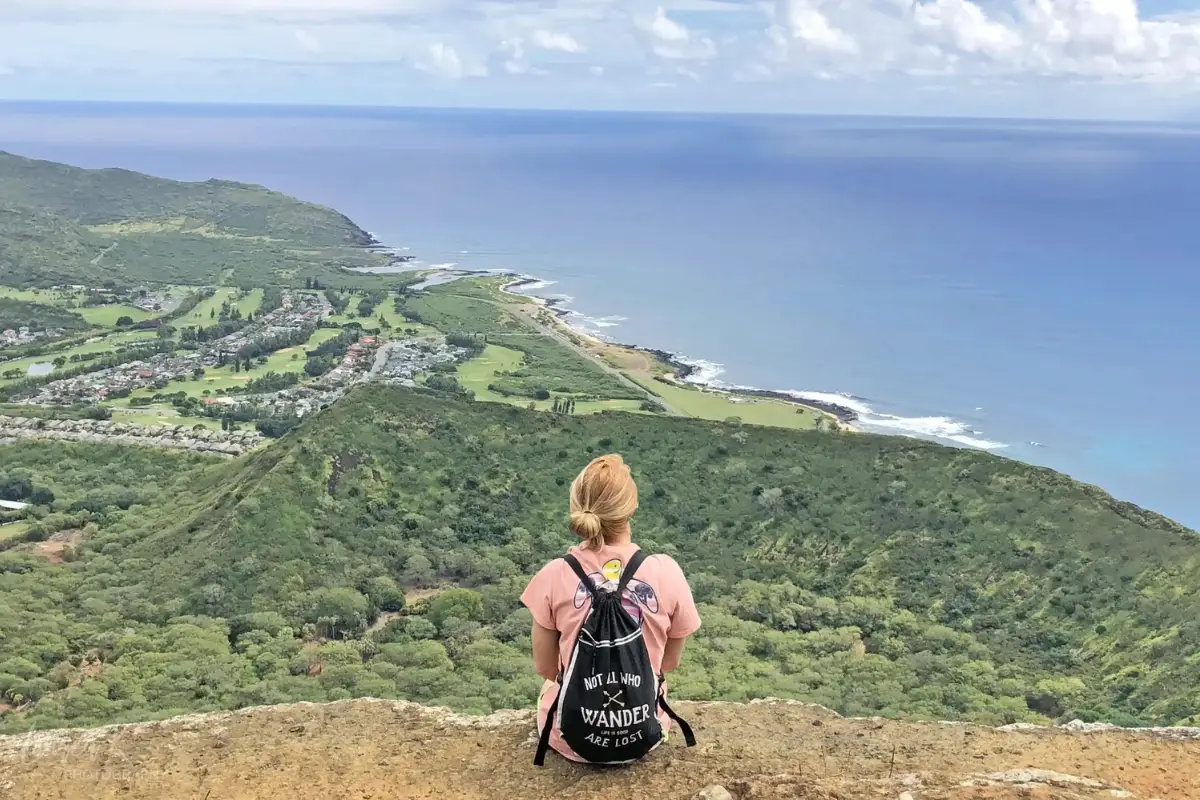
<point x="679" y="368"/>
<point x="676" y="369"/>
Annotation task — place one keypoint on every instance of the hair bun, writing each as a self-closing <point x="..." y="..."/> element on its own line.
<point x="603" y="498"/>
<point x="587" y="525"/>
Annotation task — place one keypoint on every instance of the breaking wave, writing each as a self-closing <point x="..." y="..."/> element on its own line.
<point x="706" y="373"/>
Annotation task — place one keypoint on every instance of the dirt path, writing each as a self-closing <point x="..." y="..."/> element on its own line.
<point x="382" y="749"/>
<point x="410" y="597"/>
<point x="381" y="621"/>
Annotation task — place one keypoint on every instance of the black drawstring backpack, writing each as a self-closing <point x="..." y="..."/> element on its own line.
<point x="609" y="695"/>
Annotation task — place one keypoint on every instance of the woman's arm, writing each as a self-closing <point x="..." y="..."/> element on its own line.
<point x="673" y="654"/>
<point x="685" y="619"/>
<point x="545" y="652"/>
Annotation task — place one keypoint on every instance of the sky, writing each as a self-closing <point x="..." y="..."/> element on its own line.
<point x="1110" y="59"/>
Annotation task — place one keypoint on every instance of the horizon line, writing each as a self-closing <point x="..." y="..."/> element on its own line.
<point x="284" y="106"/>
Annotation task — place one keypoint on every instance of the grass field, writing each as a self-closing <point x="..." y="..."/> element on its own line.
<point x="44" y="296"/>
<point x="482" y="370"/>
<point x="250" y="302"/>
<point x="161" y="415"/>
<point x="101" y="316"/>
<point x="477" y="373"/>
<point x="205" y="313"/>
<point x="399" y="324"/>
<point x="717" y="406"/>
<point x="107" y="316"/>
<point x="13" y="529"/>
<point x="290" y="359"/>
<point x="214" y="378"/>
<point x="321" y="335"/>
<point x="107" y="344"/>
<point x="386" y="309"/>
<point x="548" y="363"/>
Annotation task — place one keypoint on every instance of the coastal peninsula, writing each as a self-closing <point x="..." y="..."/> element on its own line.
<point x="662" y="377"/>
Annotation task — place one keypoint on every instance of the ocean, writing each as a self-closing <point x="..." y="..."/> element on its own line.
<point x="1028" y="288"/>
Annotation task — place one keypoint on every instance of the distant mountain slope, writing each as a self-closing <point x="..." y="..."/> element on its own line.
<point x="56" y="222"/>
<point x="874" y="575"/>
<point x="38" y="316"/>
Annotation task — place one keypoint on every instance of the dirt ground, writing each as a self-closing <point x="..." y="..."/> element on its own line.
<point x="54" y="548"/>
<point x="372" y="749"/>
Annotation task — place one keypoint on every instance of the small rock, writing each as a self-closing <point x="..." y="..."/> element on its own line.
<point x="906" y="796"/>
<point x="713" y="792"/>
<point x="296" y="729"/>
<point x="1089" y="727"/>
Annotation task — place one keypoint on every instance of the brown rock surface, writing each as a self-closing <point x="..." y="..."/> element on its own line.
<point x="373" y="749"/>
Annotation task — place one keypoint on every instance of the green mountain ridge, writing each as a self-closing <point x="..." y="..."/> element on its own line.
<point x="58" y="221"/>
<point x="873" y="575"/>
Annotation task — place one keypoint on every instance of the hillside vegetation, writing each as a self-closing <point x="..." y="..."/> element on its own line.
<point x="379" y="550"/>
<point x="61" y="224"/>
<point x="38" y="316"/>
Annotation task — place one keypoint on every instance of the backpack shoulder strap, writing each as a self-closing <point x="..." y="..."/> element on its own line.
<point x="630" y="570"/>
<point x="583" y="576"/>
<point x="543" y="746"/>
<point x="539" y="758"/>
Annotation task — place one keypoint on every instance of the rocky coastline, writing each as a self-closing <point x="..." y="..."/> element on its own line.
<point x="842" y="413"/>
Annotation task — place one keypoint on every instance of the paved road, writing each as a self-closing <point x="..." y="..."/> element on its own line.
<point x="381" y="359"/>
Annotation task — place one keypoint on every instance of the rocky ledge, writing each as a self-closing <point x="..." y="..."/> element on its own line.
<point x="375" y="749"/>
<point x="226" y="443"/>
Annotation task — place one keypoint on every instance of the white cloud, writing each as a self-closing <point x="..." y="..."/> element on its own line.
<point x="694" y="49"/>
<point x="663" y="27"/>
<point x="806" y="22"/>
<point x="560" y="42"/>
<point x="331" y="8"/>
<point x="722" y="44"/>
<point x="307" y="41"/>
<point x="673" y="41"/>
<point x="1070" y="39"/>
<point x="443" y="61"/>
<point x="514" y="52"/>
<point x="963" y="25"/>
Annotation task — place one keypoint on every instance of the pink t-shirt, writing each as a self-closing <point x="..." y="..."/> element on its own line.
<point x="658" y="596"/>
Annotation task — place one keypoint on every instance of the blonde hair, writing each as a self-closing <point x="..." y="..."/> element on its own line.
<point x="603" y="498"/>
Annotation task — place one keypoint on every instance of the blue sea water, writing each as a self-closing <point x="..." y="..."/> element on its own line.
<point x="988" y="283"/>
